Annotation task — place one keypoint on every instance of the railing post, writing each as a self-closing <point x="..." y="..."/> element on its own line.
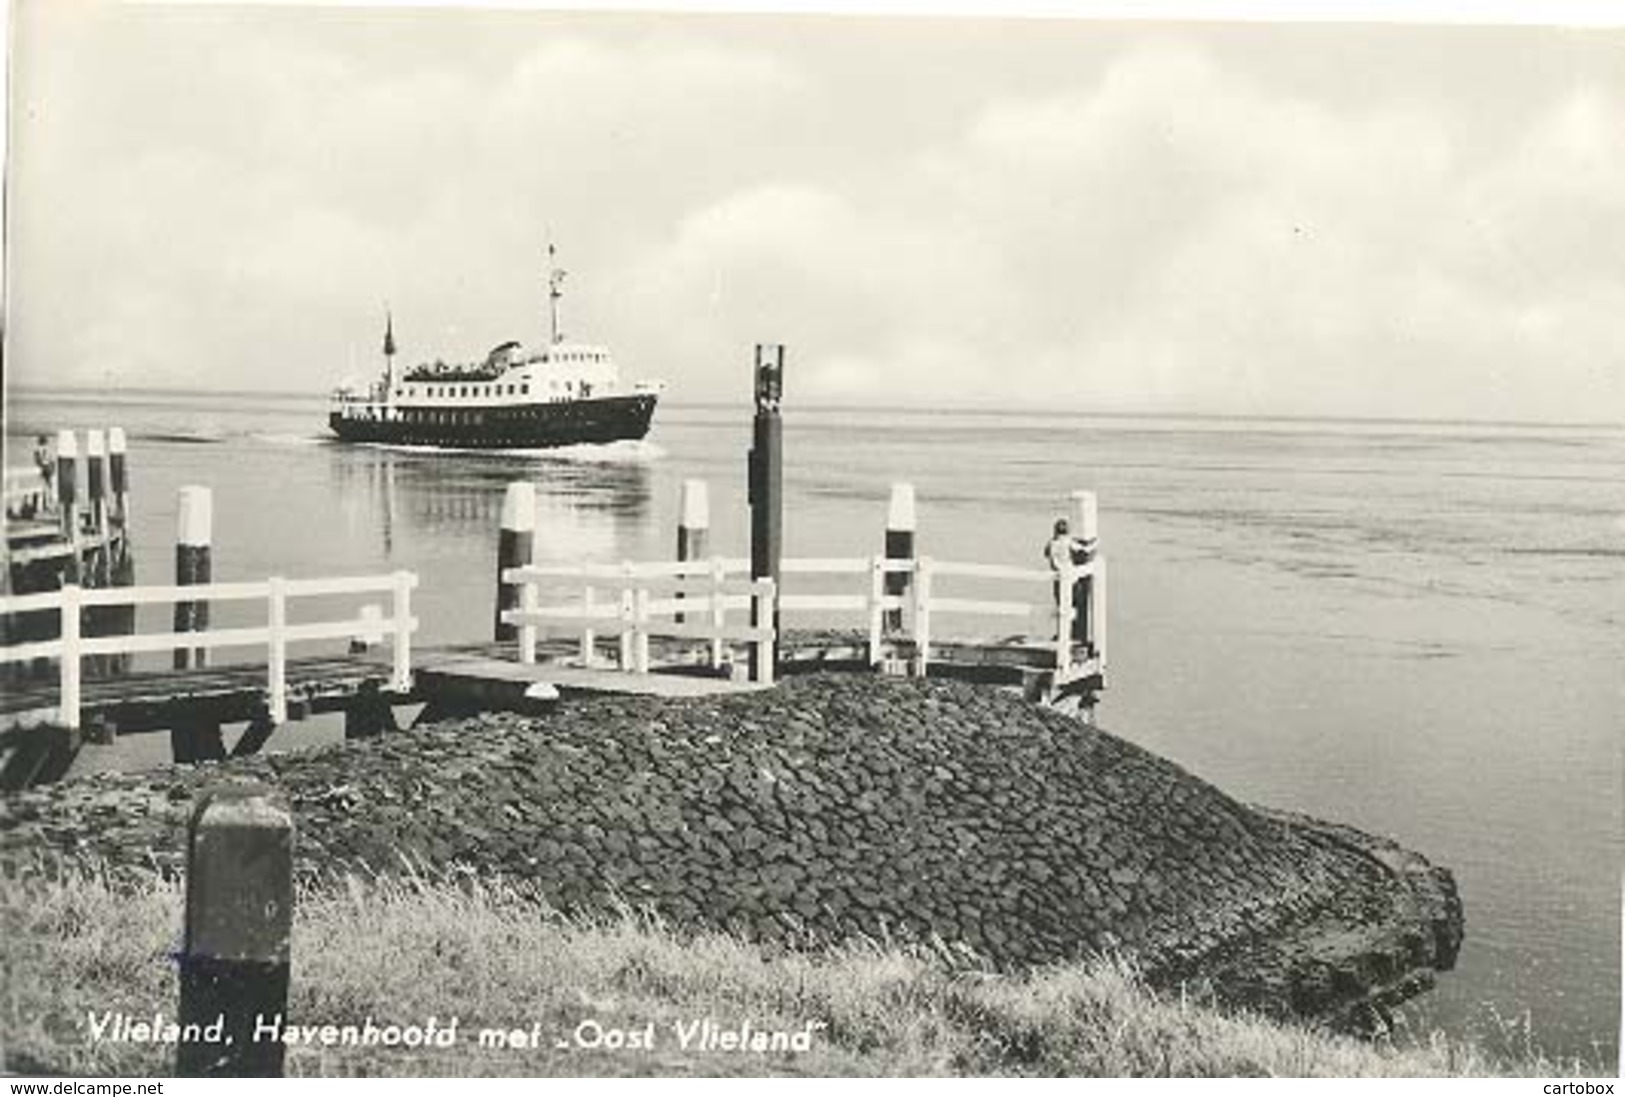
<point x="693" y="529"/>
<point x="589" y="635"/>
<point x="719" y="610"/>
<point x="922" y="616"/>
<point x="277" y="669"/>
<point x="193" y="531"/>
<point x="401" y="681"/>
<point x="900" y="527"/>
<point x="515" y="548"/>
<point x="1098" y="639"/>
<point x="877" y="592"/>
<point x="640" y="633"/>
<point x="239" y="916"/>
<point x="529" y="602"/>
<point x="1065" y="581"/>
<point x="763" y="652"/>
<point x="1087" y="516"/>
<point x="70" y="663"/>
<point x="628" y="617"/>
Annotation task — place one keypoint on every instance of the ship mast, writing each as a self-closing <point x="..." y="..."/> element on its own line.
<point x="389" y="354"/>
<point x="555" y="290"/>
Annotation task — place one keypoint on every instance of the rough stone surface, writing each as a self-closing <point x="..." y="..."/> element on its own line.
<point x="839" y="805"/>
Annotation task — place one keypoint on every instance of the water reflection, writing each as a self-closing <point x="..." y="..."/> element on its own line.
<point x="421" y="502"/>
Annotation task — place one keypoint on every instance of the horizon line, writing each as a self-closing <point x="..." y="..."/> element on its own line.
<point x="1008" y="409"/>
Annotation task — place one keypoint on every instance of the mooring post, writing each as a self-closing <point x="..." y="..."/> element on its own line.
<point x="121" y="618"/>
<point x="194" y="531"/>
<point x="96" y="571"/>
<point x="1086" y="515"/>
<point x="766" y="475"/>
<point x="900" y="528"/>
<point x="96" y="480"/>
<point x="239" y="915"/>
<point x="693" y="529"/>
<point x="516" y="546"/>
<point x="118" y="475"/>
<point x="67" y="498"/>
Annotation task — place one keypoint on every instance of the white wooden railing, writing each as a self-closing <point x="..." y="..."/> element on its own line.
<point x="634" y="613"/>
<point x="696" y="597"/>
<point x="71" y="646"/>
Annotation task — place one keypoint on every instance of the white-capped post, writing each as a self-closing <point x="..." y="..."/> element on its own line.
<point x="1086" y="515"/>
<point x="96" y="479"/>
<point x="194" y="532"/>
<point x="118" y="475"/>
<point x="277" y="650"/>
<point x="516" y="546"/>
<point x="900" y="545"/>
<point x="67" y="495"/>
<point x="693" y="526"/>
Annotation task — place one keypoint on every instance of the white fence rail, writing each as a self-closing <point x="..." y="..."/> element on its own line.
<point x="694" y="599"/>
<point x="71" y="646"/>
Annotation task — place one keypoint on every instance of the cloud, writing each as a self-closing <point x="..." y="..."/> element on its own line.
<point x="1169" y="228"/>
<point x="1172" y="235"/>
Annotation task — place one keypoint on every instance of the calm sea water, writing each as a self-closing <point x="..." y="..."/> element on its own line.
<point x="1415" y="629"/>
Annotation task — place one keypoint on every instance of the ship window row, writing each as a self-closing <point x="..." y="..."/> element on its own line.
<point x="464" y="391"/>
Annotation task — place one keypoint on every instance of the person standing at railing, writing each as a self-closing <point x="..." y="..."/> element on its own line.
<point x="1063" y="547"/>
<point x="45" y="461"/>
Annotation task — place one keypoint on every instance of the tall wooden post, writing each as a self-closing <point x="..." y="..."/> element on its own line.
<point x="67" y="499"/>
<point x="516" y="546"/>
<point x="194" y="533"/>
<point x="693" y="527"/>
<point x="767" y="495"/>
<point x="194" y="738"/>
<point x="900" y="529"/>
<point x="121" y="565"/>
<point x="239" y="915"/>
<point x="96" y="572"/>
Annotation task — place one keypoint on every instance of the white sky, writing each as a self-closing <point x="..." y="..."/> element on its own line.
<point x="1372" y="220"/>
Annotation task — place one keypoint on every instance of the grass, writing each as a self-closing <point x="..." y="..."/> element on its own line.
<point x="491" y="955"/>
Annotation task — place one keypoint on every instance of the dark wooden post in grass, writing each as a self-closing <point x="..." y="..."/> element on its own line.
<point x="515" y="549"/>
<point x="239" y="915"/>
<point x="766" y="470"/>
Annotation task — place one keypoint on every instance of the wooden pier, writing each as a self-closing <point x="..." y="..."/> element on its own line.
<point x="695" y="626"/>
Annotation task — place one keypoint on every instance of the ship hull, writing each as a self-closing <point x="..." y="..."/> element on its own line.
<point x="518" y="426"/>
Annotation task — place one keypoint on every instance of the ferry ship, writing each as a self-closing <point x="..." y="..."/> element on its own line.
<point x="561" y="394"/>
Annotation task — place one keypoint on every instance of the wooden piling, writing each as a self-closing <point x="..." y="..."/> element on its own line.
<point x="96" y="568"/>
<point x="1086" y="530"/>
<point x="693" y="526"/>
<point x="516" y="547"/>
<point x="766" y="474"/>
<point x="193" y="567"/>
<point x="121" y="561"/>
<point x="239" y="915"/>
<point x="67" y="499"/>
<point x="118" y="475"/>
<point x="900" y="530"/>
<point x="194" y="738"/>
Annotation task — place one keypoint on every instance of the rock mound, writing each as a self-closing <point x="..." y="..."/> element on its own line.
<point x="840" y="805"/>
